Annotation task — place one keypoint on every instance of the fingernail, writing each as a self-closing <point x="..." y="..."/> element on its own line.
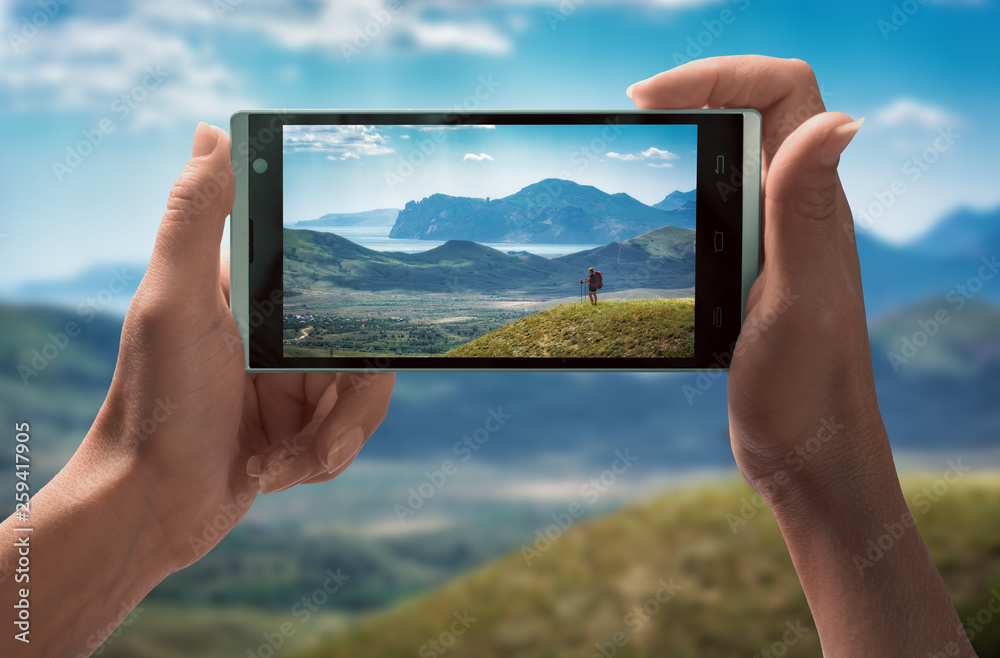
<point x="345" y="448"/>
<point x="286" y="470"/>
<point x="837" y="141"/>
<point x="205" y="140"/>
<point x="253" y="465"/>
<point x="628" y="92"/>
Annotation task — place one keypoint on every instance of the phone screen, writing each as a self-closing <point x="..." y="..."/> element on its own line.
<point x="499" y="241"/>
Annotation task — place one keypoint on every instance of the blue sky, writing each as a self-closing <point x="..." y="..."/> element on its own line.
<point x="149" y="71"/>
<point x="356" y="168"/>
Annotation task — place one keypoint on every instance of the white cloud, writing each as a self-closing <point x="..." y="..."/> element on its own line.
<point x="464" y="126"/>
<point x="482" y="157"/>
<point x="660" y="165"/>
<point x="659" y="4"/>
<point x="87" y="62"/>
<point x="340" y="142"/>
<point x="85" y="58"/>
<point x="474" y="37"/>
<point x="350" y="28"/>
<point x="652" y="153"/>
<point x="908" y="112"/>
<point x="907" y="126"/>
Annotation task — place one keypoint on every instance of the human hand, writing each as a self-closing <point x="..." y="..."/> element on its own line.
<point x="183" y="416"/>
<point x="803" y="418"/>
<point x="802" y="364"/>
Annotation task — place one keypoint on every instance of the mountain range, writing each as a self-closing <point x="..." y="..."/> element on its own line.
<point x="946" y="395"/>
<point x="381" y="217"/>
<point x="662" y="259"/>
<point x="677" y="199"/>
<point x="550" y="211"/>
<point x="942" y="402"/>
<point x="106" y="287"/>
<point x="967" y="231"/>
<point x="936" y="264"/>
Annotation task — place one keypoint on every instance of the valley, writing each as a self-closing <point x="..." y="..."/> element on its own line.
<point x="342" y="299"/>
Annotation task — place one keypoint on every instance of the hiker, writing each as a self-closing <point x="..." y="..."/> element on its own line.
<point x="595" y="281"/>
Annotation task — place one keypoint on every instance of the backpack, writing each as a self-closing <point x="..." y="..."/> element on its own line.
<point x="600" y="279"/>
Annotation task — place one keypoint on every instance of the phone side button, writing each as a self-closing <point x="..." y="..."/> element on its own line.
<point x="250" y="233"/>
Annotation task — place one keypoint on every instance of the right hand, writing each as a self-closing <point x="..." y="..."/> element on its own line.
<point x="802" y="358"/>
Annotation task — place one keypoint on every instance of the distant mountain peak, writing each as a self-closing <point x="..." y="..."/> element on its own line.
<point x="553" y="210"/>
<point x="564" y="182"/>
<point x="380" y="217"/>
<point x="965" y="231"/>
<point x="676" y="199"/>
<point x="465" y="248"/>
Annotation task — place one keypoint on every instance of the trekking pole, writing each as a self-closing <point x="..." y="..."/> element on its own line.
<point x="581" y="292"/>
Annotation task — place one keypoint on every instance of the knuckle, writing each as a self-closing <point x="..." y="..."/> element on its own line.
<point x="801" y="70"/>
<point x="817" y="203"/>
<point x="186" y="186"/>
<point x="148" y="321"/>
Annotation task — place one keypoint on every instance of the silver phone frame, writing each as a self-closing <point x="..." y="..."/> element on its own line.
<point x="239" y="266"/>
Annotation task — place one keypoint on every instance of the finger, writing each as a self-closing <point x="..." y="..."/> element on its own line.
<point x="186" y="254"/>
<point x="362" y="404"/>
<point x="784" y="91"/>
<point x="296" y="407"/>
<point x="326" y="476"/>
<point x="349" y="445"/>
<point x="286" y="464"/>
<point x="345" y="416"/>
<point x="284" y="408"/>
<point x="805" y="223"/>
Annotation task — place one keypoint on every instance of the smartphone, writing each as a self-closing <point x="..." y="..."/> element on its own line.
<point x="433" y="240"/>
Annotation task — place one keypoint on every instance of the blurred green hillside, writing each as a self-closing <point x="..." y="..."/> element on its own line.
<point x="734" y="594"/>
<point x="737" y="591"/>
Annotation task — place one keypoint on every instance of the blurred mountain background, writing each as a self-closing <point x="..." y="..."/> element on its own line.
<point x="99" y="101"/>
<point x="940" y="405"/>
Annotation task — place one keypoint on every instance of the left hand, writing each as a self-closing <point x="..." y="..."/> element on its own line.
<point x="182" y="414"/>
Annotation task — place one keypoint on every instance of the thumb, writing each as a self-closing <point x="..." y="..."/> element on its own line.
<point x="804" y="217"/>
<point x="186" y="254"/>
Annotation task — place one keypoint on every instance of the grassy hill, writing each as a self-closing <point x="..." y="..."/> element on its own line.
<point x="58" y="391"/>
<point x="157" y="630"/>
<point x="737" y="591"/>
<point x="661" y="258"/>
<point x="623" y="328"/>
